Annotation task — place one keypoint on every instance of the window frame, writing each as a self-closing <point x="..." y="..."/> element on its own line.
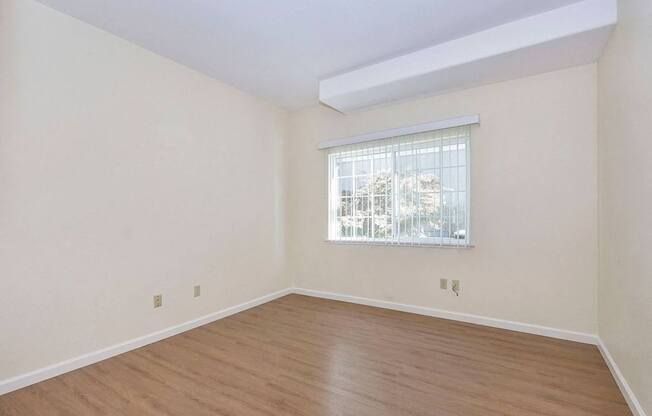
<point x="333" y="202"/>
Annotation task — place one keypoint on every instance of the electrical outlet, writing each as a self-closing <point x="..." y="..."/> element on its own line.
<point x="443" y="284"/>
<point x="158" y="301"/>
<point x="197" y="291"/>
<point x="456" y="287"/>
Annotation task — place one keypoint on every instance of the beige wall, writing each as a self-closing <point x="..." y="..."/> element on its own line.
<point x="121" y="176"/>
<point x="625" y="148"/>
<point x="534" y="206"/>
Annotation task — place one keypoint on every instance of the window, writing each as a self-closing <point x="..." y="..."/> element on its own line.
<point x="411" y="189"/>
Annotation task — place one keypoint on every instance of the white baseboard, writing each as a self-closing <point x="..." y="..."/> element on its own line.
<point x="632" y="401"/>
<point x="54" y="370"/>
<point x="457" y="316"/>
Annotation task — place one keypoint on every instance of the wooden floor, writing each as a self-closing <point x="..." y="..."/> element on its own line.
<point x="306" y="356"/>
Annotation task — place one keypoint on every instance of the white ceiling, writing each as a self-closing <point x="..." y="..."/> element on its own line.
<point x="280" y="49"/>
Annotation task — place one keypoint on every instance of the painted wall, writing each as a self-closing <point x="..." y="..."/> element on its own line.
<point x="625" y="148"/>
<point x="534" y="206"/>
<point x="122" y="176"/>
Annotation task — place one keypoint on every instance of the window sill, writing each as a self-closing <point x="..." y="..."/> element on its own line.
<point x="378" y="243"/>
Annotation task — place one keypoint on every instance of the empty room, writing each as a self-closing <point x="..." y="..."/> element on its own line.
<point x="325" y="207"/>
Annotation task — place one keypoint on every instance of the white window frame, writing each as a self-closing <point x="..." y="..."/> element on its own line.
<point x="396" y="239"/>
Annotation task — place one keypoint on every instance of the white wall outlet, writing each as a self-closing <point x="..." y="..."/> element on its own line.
<point x="443" y="284"/>
<point x="456" y="287"/>
<point x="158" y="301"/>
<point x="197" y="291"/>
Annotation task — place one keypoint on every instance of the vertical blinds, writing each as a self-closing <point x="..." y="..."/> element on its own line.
<point x="411" y="189"/>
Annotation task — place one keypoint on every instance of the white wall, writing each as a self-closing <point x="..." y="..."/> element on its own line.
<point x="123" y="175"/>
<point x="625" y="148"/>
<point x="534" y="206"/>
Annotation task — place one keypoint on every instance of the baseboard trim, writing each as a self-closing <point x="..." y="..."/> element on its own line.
<point x="628" y="393"/>
<point x="54" y="370"/>
<point x="457" y="316"/>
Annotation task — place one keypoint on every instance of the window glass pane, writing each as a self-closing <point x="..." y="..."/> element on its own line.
<point x="382" y="164"/>
<point x="408" y="184"/>
<point x="461" y="176"/>
<point x="363" y="227"/>
<point x="461" y="154"/>
<point x="427" y="204"/>
<point x="362" y="184"/>
<point x="427" y="159"/>
<point x="366" y="227"/>
<point x="407" y="162"/>
<point x="449" y="153"/>
<point x="459" y="212"/>
<point x="438" y="157"/>
<point x="345" y="207"/>
<point x="446" y="203"/>
<point x="382" y="227"/>
<point x="445" y="227"/>
<point x="449" y="179"/>
<point x="437" y="202"/>
<point x="346" y="187"/>
<point x="429" y="227"/>
<point x="363" y="166"/>
<point x="381" y="185"/>
<point x="362" y="206"/>
<point x="380" y="205"/>
<point x="344" y="168"/>
<point x="408" y="226"/>
<point x="428" y="181"/>
<point x="346" y="229"/>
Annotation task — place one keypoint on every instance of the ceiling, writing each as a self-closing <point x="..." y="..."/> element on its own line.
<point x="279" y="50"/>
